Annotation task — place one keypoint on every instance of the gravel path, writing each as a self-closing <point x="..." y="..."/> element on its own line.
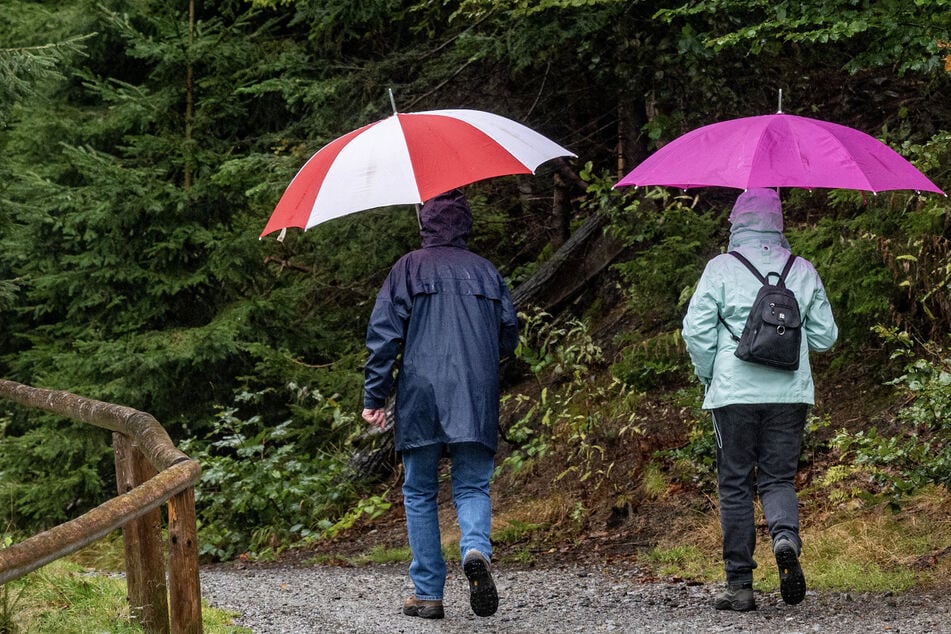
<point x="366" y="600"/>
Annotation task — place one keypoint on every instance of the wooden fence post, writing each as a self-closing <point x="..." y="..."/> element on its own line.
<point x="184" y="583"/>
<point x="142" y="538"/>
<point x="150" y="471"/>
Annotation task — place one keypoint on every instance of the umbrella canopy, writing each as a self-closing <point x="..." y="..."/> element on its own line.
<point x="778" y="150"/>
<point x="408" y="158"/>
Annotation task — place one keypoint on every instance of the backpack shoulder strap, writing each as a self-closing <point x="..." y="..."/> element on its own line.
<point x="765" y="279"/>
<point x="727" y="326"/>
<point x="750" y="266"/>
<point x="789" y="263"/>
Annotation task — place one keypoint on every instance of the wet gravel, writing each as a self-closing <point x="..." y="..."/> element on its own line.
<point x="367" y="600"/>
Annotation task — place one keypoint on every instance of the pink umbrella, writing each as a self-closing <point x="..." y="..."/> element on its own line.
<point x="778" y="150"/>
<point x="406" y="159"/>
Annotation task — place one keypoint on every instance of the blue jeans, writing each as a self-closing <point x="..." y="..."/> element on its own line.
<point x="472" y="467"/>
<point x="757" y="451"/>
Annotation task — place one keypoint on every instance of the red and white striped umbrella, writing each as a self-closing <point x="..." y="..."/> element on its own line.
<point x="407" y="159"/>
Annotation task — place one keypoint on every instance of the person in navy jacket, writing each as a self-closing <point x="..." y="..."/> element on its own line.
<point x="440" y="325"/>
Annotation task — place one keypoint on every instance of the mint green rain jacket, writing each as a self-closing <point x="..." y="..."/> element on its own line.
<point x="729" y="288"/>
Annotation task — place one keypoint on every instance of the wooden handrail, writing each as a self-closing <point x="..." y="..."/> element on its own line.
<point x="166" y="475"/>
<point x="149" y="435"/>
<point x="24" y="557"/>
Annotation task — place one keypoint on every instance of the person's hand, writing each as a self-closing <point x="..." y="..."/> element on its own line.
<point x="375" y="416"/>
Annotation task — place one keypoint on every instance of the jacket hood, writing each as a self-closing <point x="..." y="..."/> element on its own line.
<point x="757" y="217"/>
<point x="445" y="220"/>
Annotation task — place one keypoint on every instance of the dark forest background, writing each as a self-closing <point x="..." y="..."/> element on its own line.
<point x="145" y="144"/>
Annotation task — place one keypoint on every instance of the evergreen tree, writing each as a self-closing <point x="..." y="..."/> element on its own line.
<point x="140" y="188"/>
<point x="144" y="150"/>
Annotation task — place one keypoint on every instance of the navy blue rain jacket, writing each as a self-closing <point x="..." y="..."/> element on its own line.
<point x="450" y="314"/>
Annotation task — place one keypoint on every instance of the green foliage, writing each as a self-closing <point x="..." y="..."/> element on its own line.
<point x="682" y="561"/>
<point x="671" y="246"/>
<point x="22" y="68"/>
<point x="654" y="482"/>
<point x="530" y="438"/>
<point x="561" y="351"/>
<point x="134" y="263"/>
<point x="135" y="272"/>
<point x="51" y="469"/>
<point x="669" y="250"/>
<point x="906" y="35"/>
<point x="858" y="284"/>
<point x="576" y="413"/>
<point x="695" y="460"/>
<point x="920" y="454"/>
<point x="653" y="362"/>
<point x="369" y="508"/>
<point x="378" y="554"/>
<point x="265" y="487"/>
<point x="139" y="165"/>
<point x="880" y="256"/>
<point x="515" y="531"/>
<point x="8" y="289"/>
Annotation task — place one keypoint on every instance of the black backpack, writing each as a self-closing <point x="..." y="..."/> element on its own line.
<point x="772" y="334"/>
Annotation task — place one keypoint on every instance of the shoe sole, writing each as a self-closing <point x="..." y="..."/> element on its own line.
<point x="483" y="597"/>
<point x="424" y="612"/>
<point x="792" y="583"/>
<point x="735" y="606"/>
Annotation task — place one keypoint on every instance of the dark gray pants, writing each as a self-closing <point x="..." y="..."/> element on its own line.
<point x="757" y="451"/>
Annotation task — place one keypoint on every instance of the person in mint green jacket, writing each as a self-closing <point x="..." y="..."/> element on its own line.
<point x="759" y="412"/>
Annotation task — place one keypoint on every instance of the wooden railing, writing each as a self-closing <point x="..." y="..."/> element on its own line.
<point x="150" y="472"/>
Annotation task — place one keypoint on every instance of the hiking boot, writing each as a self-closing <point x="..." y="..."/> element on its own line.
<point x="483" y="597"/>
<point x="423" y="608"/>
<point x="738" y="598"/>
<point x="792" y="583"/>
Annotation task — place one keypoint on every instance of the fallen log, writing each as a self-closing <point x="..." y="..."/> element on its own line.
<point x="579" y="260"/>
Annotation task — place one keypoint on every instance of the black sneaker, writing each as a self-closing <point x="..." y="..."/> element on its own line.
<point x="738" y="598"/>
<point x="792" y="583"/>
<point x="483" y="597"/>
<point x="423" y="608"/>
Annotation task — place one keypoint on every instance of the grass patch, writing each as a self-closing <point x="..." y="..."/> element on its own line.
<point x="376" y="555"/>
<point x="653" y="481"/>
<point x="686" y="561"/>
<point x="873" y="549"/>
<point x="65" y="596"/>
<point x="105" y="555"/>
<point x="215" y="621"/>
<point x="384" y="555"/>
<point x="516" y="531"/>
<point x="535" y="523"/>
<point x="557" y="508"/>
<point x="878" y="548"/>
